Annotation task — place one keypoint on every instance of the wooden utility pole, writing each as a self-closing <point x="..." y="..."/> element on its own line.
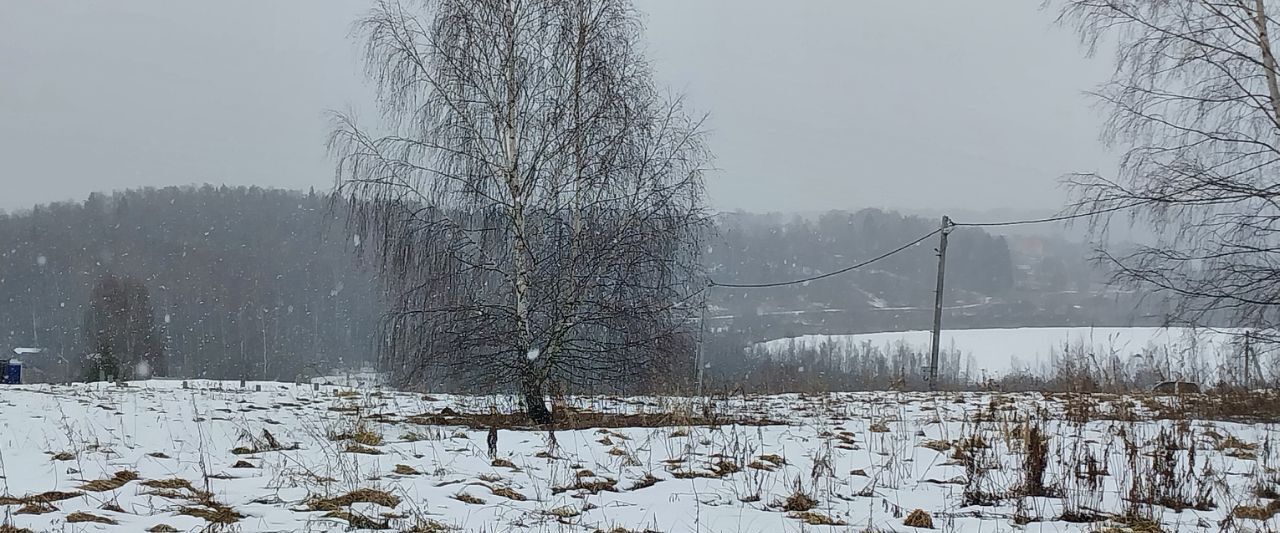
<point x="1248" y="354"/>
<point x="937" y="304"/>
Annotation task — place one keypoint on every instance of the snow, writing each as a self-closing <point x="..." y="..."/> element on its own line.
<point x="28" y="351"/>
<point x="998" y="351"/>
<point x="163" y="430"/>
<point x="533" y="354"/>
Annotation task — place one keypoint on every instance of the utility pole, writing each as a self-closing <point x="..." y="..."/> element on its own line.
<point x="1248" y="353"/>
<point x="937" y="304"/>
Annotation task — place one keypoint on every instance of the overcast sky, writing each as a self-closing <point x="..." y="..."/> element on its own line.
<point x="813" y="104"/>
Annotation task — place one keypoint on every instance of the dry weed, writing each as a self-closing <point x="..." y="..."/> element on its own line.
<point x="112" y="483"/>
<point x="380" y="497"/>
<point x="919" y="518"/>
<point x="816" y="519"/>
<point x="81" y="516"/>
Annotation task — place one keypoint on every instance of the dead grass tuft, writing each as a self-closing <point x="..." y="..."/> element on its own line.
<point x="816" y="519"/>
<point x="243" y="464"/>
<point x="586" y="483"/>
<point x="645" y="482"/>
<point x="62" y="456"/>
<point x="1257" y="512"/>
<point x="798" y="501"/>
<point x="112" y="483"/>
<point x="430" y="526"/>
<point x="504" y="463"/>
<point x="357" y="520"/>
<point x="50" y="496"/>
<point x="81" y="516"/>
<point x="936" y="445"/>
<point x="508" y="493"/>
<point x="162" y="528"/>
<point x="10" y="528"/>
<point x="467" y="498"/>
<point x="773" y="458"/>
<point x="36" y="508"/>
<point x="213" y="513"/>
<point x="564" y="512"/>
<point x="406" y="470"/>
<point x="362" y="433"/>
<point x="354" y="447"/>
<point x="380" y="497"/>
<point x="919" y="518"/>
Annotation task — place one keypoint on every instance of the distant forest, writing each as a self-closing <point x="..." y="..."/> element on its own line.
<point x="245" y="282"/>
<point x="257" y="283"/>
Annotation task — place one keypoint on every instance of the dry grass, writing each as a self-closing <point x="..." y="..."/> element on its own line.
<point x="243" y="464"/>
<point x="570" y="419"/>
<point x="467" y="498"/>
<point x="81" y="516"/>
<point x="936" y="445"/>
<point x="504" y="463"/>
<point x="50" y="496"/>
<point x="406" y="470"/>
<point x="564" y="512"/>
<point x="508" y="493"/>
<point x="112" y="483"/>
<point x="62" y="456"/>
<point x="380" y="497"/>
<point x="647" y="481"/>
<point x="10" y="528"/>
<point x="816" y="519"/>
<point x="213" y="513"/>
<point x="773" y="458"/>
<point x="798" y="501"/>
<point x="360" y="433"/>
<point x="36" y="508"/>
<point x="354" y="447"/>
<point x="919" y="518"/>
<point x="162" y="528"/>
<point x="357" y="520"/>
<point x="1257" y="512"/>
<point x="430" y="526"/>
<point x="583" y="482"/>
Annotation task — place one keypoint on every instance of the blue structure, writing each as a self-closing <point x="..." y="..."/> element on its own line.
<point x="12" y="373"/>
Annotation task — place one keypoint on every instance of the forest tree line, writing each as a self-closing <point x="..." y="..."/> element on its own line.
<point x="255" y="283"/>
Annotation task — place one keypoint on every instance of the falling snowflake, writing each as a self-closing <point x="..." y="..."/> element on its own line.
<point x="142" y="370"/>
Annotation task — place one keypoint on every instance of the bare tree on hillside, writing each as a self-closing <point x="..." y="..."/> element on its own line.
<point x="121" y="332"/>
<point x="537" y="205"/>
<point x="1195" y="105"/>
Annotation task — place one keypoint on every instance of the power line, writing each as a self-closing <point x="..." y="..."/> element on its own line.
<point x="1059" y="218"/>
<point x="950" y="224"/>
<point x="828" y="274"/>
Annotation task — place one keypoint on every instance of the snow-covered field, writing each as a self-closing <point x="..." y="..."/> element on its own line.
<point x="155" y="453"/>
<point x="999" y="351"/>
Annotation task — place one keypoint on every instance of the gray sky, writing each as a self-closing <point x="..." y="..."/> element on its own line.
<point x="813" y="104"/>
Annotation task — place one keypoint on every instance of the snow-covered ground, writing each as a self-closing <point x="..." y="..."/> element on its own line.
<point x="164" y="454"/>
<point x="998" y="351"/>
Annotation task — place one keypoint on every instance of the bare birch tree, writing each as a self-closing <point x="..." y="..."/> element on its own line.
<point x="537" y="204"/>
<point x="1195" y="107"/>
